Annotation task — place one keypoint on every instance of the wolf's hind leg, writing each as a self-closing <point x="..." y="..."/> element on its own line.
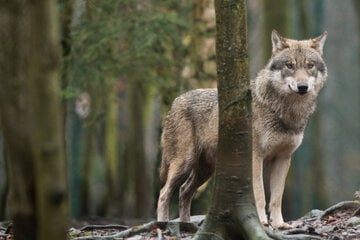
<point x="188" y="189"/>
<point x="176" y="176"/>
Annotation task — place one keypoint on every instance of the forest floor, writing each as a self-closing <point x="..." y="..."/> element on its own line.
<point x="341" y="221"/>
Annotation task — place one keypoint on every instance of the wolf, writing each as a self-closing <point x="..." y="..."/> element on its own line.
<point x="284" y="96"/>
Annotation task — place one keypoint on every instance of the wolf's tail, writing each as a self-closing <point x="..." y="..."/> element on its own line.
<point x="164" y="167"/>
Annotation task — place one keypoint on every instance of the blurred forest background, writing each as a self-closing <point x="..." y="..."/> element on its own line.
<point x="124" y="61"/>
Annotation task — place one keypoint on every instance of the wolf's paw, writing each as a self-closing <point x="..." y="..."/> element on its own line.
<point x="282" y="225"/>
<point x="265" y="223"/>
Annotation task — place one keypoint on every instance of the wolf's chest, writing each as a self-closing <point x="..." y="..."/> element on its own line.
<point x="278" y="144"/>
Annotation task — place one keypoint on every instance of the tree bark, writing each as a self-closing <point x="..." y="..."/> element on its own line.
<point x="111" y="152"/>
<point x="232" y="213"/>
<point x="4" y="182"/>
<point x="136" y="152"/>
<point x="75" y="177"/>
<point x="203" y="44"/>
<point x="89" y="153"/>
<point x="276" y="16"/>
<point x="31" y="119"/>
<point x="317" y="192"/>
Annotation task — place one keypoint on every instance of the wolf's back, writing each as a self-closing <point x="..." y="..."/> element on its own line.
<point x="190" y="125"/>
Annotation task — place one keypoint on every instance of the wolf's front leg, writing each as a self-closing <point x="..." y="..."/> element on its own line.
<point x="279" y="170"/>
<point x="258" y="187"/>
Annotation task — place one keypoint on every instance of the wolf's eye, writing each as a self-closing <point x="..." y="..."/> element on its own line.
<point x="310" y="65"/>
<point x="290" y="66"/>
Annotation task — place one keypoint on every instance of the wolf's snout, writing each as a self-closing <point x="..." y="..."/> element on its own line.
<point x="302" y="88"/>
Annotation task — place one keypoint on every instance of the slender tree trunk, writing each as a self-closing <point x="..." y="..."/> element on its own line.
<point x="123" y="169"/>
<point x="71" y="122"/>
<point x="31" y="118"/>
<point x="276" y="16"/>
<point x="203" y="44"/>
<point x="76" y="136"/>
<point x="136" y="152"/>
<point x="5" y="188"/>
<point x="90" y="148"/>
<point x="233" y="214"/>
<point x="319" y="194"/>
<point x="111" y="152"/>
<point x="66" y="19"/>
<point x="88" y="158"/>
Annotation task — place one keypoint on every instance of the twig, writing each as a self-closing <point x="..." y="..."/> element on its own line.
<point x="102" y="227"/>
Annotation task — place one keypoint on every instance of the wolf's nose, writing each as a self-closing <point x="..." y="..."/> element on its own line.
<point x="302" y="88"/>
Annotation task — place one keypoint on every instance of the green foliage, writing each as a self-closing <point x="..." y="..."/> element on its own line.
<point x="128" y="39"/>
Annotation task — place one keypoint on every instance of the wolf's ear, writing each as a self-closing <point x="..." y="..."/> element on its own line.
<point x="278" y="42"/>
<point x="318" y="43"/>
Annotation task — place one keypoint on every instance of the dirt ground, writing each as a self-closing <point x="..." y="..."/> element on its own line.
<point x="341" y="221"/>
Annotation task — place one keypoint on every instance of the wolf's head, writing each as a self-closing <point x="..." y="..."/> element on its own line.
<point x="297" y="67"/>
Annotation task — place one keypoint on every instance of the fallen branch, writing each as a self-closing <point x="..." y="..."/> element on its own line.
<point x="174" y="229"/>
<point x="280" y="236"/>
<point x="104" y="227"/>
<point x="345" y="205"/>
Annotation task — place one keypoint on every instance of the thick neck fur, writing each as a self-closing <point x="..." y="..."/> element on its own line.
<point x="286" y="112"/>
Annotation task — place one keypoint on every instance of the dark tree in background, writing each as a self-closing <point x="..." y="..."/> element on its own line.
<point x="232" y="213"/>
<point x="276" y="16"/>
<point x="31" y="120"/>
<point x="125" y="55"/>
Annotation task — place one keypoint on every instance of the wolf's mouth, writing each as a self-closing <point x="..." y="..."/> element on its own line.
<point x="302" y="92"/>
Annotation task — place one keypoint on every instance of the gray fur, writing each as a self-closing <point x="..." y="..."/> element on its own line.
<point x="281" y="110"/>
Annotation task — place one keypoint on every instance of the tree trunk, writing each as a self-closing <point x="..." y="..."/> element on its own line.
<point x="136" y="152"/>
<point x="31" y="119"/>
<point x="75" y="143"/>
<point x="89" y="153"/>
<point x="232" y="213"/>
<point x="276" y="16"/>
<point x="4" y="191"/>
<point x="111" y="152"/>
<point x="203" y="44"/>
<point x="319" y="192"/>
